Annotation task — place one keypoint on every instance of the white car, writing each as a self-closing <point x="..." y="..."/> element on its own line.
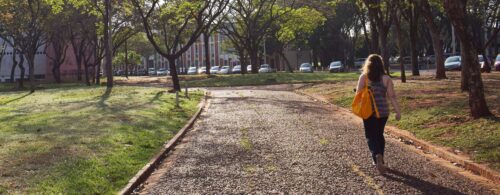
<point x="265" y="68"/>
<point x="453" y="63"/>
<point x="162" y="71"/>
<point x="249" y="68"/>
<point x="151" y="71"/>
<point x="202" y="70"/>
<point x="306" y="67"/>
<point x="336" y="66"/>
<point x="192" y="70"/>
<point x="214" y="70"/>
<point x="225" y="70"/>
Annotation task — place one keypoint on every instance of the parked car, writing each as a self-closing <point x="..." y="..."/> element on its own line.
<point x="192" y="70"/>
<point x="202" y="70"/>
<point x="151" y="71"/>
<point x="249" y="68"/>
<point x="214" y="70"/>
<point x="225" y="70"/>
<point x="453" y="63"/>
<point x="119" y="73"/>
<point x="236" y="69"/>
<point x="162" y="72"/>
<point x="358" y="63"/>
<point x="497" y="63"/>
<point x="265" y="68"/>
<point x="482" y="59"/>
<point x="336" y="66"/>
<point x="141" y="72"/>
<point x="306" y="67"/>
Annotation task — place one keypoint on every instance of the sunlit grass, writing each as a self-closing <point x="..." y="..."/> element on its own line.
<point x="83" y="140"/>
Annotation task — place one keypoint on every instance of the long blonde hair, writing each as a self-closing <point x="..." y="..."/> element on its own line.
<point x="374" y="67"/>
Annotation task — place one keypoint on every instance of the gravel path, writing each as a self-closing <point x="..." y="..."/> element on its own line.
<point x="278" y="142"/>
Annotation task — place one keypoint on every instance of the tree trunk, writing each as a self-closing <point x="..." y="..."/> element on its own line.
<point x="287" y="62"/>
<point x="56" y="71"/>
<point x="400" y="48"/>
<point x="107" y="47"/>
<point x="437" y="42"/>
<point x="413" y="40"/>
<point x="254" y="60"/>
<point x="465" y="74"/>
<point x="23" y="71"/>
<point x="206" y="41"/>
<point x="87" y="74"/>
<point x="375" y="47"/>
<point x="456" y="10"/>
<point x="31" y="69"/>
<point x="126" y="60"/>
<point x="384" y="50"/>
<point x="173" y="72"/>
<point x="243" y="61"/>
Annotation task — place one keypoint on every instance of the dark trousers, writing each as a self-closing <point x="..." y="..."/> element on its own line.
<point x="374" y="133"/>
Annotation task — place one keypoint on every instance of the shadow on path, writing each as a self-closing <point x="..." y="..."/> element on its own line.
<point x="16" y="99"/>
<point x="418" y="184"/>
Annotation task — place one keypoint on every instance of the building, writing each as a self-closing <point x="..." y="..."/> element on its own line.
<point x="195" y="55"/>
<point x="43" y="64"/>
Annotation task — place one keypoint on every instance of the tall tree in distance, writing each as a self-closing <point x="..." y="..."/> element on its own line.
<point x="249" y="22"/>
<point x="397" y="27"/>
<point x="456" y="10"/>
<point x="380" y="12"/>
<point x="437" y="42"/>
<point x="172" y="27"/>
<point x="412" y="15"/>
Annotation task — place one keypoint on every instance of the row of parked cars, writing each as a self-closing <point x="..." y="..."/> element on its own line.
<point x="455" y="62"/>
<point x="264" y="68"/>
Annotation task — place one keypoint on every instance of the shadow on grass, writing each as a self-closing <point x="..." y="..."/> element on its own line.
<point x="102" y="102"/>
<point x="157" y="96"/>
<point x="419" y="184"/>
<point x="16" y="99"/>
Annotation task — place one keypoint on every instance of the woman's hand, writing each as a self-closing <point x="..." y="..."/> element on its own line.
<point x="398" y="116"/>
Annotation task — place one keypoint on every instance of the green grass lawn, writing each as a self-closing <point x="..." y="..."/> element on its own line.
<point x="84" y="140"/>
<point x="265" y="79"/>
<point x="438" y="112"/>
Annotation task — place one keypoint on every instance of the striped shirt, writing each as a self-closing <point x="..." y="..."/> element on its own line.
<point x="379" y="94"/>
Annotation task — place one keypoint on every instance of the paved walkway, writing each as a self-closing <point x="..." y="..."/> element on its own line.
<point x="262" y="142"/>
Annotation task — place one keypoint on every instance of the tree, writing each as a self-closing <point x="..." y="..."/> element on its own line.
<point x="295" y="27"/>
<point x="456" y="10"/>
<point x="380" y="12"/>
<point x="177" y="25"/>
<point x="248" y="22"/>
<point x="437" y="42"/>
<point x="397" y="25"/>
<point x="58" y="37"/>
<point x="412" y="15"/>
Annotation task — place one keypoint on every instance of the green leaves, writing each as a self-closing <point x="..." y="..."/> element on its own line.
<point x="299" y="22"/>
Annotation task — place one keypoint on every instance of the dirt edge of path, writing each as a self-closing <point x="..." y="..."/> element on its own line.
<point x="460" y="164"/>
<point x="134" y="184"/>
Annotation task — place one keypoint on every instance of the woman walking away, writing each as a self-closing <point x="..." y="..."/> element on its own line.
<point x="381" y="87"/>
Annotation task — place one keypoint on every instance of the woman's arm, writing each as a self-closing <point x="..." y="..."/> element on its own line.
<point x="361" y="83"/>
<point x="393" y="98"/>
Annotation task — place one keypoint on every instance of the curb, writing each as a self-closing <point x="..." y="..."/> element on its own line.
<point x="150" y="167"/>
<point x="441" y="152"/>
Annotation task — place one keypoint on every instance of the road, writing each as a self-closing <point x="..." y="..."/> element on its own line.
<point x="278" y="142"/>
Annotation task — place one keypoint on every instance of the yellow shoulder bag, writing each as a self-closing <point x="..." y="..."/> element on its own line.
<point x="362" y="103"/>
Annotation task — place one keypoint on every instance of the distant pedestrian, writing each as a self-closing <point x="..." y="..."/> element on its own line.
<point x="382" y="88"/>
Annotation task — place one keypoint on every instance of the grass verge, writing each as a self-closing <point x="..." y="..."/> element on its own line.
<point x="84" y="140"/>
<point x="438" y="111"/>
<point x="264" y="79"/>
